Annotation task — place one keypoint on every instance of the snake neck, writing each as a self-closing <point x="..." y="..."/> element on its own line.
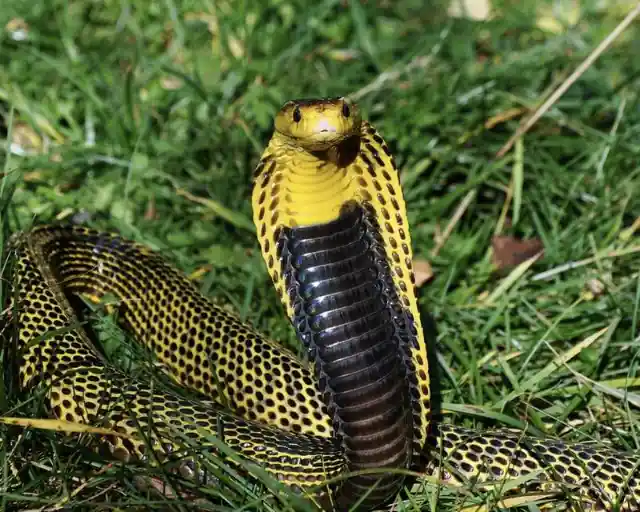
<point x="309" y="187"/>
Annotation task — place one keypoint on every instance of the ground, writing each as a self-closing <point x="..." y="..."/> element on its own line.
<point x="148" y="118"/>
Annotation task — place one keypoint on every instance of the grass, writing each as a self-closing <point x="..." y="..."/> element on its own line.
<point x="119" y="113"/>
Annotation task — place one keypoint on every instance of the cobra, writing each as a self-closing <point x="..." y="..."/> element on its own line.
<point x="332" y="227"/>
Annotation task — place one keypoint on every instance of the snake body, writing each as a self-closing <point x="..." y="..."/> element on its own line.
<point x="333" y="231"/>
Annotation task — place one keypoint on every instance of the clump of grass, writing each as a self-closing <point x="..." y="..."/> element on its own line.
<point x="120" y="114"/>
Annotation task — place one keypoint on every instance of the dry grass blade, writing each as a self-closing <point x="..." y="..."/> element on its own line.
<point x="457" y="215"/>
<point x="508" y="503"/>
<point x="548" y="274"/>
<point x="557" y="362"/>
<point x="59" y="426"/>
<point x="220" y="210"/>
<point x="511" y="279"/>
<point x="593" y="56"/>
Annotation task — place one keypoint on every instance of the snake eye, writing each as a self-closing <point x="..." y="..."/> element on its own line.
<point x="346" y="112"/>
<point x="297" y="115"/>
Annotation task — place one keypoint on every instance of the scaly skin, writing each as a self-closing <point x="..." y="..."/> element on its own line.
<point x="326" y="187"/>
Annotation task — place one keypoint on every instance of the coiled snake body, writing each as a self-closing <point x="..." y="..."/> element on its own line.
<point x="332" y="227"/>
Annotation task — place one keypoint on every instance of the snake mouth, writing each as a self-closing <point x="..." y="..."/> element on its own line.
<point x="323" y="139"/>
<point x="325" y="126"/>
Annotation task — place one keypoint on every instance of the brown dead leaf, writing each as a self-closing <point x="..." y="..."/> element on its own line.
<point x="509" y="252"/>
<point x="422" y="271"/>
<point x="156" y="485"/>
<point x="32" y="176"/>
<point x="151" y="213"/>
<point x="165" y="489"/>
<point x="25" y="140"/>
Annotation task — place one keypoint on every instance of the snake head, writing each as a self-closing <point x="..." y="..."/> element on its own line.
<point x="318" y="124"/>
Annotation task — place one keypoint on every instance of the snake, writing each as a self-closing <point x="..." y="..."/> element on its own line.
<point x="348" y="421"/>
